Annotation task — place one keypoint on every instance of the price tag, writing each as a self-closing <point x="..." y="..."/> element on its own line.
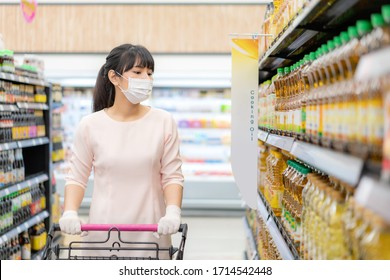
<point x="19" y="187"/>
<point x="5" y="238"/>
<point x="3" y="75"/>
<point x="37" y="181"/>
<point x="19" y="230"/>
<point x="6" y="146"/>
<point x="27" y="80"/>
<point x="12" y="77"/>
<point x="6" y="191"/>
<point x="26" y="225"/>
<point x="34" y="142"/>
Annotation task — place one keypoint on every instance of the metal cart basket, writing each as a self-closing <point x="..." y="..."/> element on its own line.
<point x="111" y="250"/>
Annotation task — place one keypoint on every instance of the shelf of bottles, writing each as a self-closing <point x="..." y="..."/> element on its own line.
<point x="322" y="124"/>
<point x="58" y="153"/>
<point x="24" y="158"/>
<point x="318" y="216"/>
<point x="299" y="26"/>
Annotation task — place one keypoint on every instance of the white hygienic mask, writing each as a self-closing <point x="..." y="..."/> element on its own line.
<point x="138" y="90"/>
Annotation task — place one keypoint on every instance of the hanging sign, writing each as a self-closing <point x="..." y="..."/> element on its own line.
<point x="244" y="125"/>
<point x="29" y="9"/>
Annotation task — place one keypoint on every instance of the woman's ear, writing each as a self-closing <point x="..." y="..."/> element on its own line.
<point x="113" y="77"/>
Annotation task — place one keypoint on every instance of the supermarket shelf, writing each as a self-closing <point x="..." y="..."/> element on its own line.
<point x="345" y="167"/>
<point x="8" y="108"/>
<point x="342" y="166"/>
<point x="35" y="106"/>
<point x="262" y="135"/>
<point x="24" y="143"/>
<point x="317" y="22"/>
<point x="282" y="142"/>
<point x="253" y="254"/>
<point x="25" y="184"/>
<point x="279" y="235"/>
<point x="23" y="227"/>
<point x="23" y="80"/>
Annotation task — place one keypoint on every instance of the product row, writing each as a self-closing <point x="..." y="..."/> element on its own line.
<point x="21" y="205"/>
<point x="318" y="99"/>
<point x="11" y="93"/>
<point x="265" y="244"/>
<point x="58" y="152"/>
<point x="319" y="212"/>
<point x="23" y="246"/>
<point x="11" y="167"/>
<point x="21" y="125"/>
<point x="32" y="67"/>
<point x="277" y="17"/>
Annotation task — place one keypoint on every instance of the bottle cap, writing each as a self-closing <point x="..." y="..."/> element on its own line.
<point x="363" y="27"/>
<point x="352" y="32"/>
<point x="386" y="13"/>
<point x="319" y="53"/>
<point x="280" y="71"/>
<point x="306" y="58"/>
<point x="286" y="70"/>
<point x="377" y="20"/>
<point x="313" y="56"/>
<point x="344" y="37"/>
<point x="337" y="41"/>
<point x="331" y="45"/>
<point x="324" y="49"/>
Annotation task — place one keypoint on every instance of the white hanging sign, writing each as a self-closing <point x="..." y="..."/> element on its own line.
<point x="244" y="115"/>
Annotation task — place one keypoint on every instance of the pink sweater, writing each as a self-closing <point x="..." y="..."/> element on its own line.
<point x="132" y="162"/>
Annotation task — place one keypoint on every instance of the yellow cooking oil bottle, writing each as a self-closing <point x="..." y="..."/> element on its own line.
<point x="275" y="187"/>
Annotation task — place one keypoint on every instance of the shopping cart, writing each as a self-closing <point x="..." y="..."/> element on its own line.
<point x="111" y="251"/>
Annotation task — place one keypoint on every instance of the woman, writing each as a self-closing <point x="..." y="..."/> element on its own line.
<point x="134" y="152"/>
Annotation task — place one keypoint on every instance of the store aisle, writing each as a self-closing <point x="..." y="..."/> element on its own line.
<point x="209" y="238"/>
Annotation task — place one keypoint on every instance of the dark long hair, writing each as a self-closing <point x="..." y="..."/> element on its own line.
<point x="120" y="59"/>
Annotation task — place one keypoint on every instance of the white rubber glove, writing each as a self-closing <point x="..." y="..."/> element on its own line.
<point x="170" y="223"/>
<point x="70" y="222"/>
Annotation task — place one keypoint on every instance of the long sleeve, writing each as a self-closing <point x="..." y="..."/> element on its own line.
<point x="171" y="162"/>
<point x="81" y="159"/>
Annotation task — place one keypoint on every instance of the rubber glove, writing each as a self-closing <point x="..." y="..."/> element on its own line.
<point x="170" y="223"/>
<point x="70" y="222"/>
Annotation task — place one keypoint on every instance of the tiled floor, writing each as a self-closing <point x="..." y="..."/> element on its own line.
<point x="210" y="238"/>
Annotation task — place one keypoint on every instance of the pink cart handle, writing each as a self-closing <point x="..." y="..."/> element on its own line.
<point x="120" y="227"/>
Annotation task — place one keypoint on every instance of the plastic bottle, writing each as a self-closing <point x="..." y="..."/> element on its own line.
<point x="276" y="188"/>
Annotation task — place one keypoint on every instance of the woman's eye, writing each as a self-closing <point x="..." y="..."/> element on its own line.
<point x="137" y="72"/>
<point x="150" y="74"/>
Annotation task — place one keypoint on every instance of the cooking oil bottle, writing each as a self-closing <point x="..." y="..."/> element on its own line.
<point x="262" y="165"/>
<point x="276" y="187"/>
<point x="336" y="246"/>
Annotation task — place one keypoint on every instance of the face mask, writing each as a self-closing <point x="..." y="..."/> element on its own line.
<point x="138" y="90"/>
